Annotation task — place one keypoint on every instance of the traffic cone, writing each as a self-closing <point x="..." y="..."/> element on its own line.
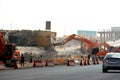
<point x="85" y="62"/>
<point x="34" y="64"/>
<point x="97" y="61"/>
<point x="94" y="62"/>
<point x="70" y="63"/>
<point x="88" y="62"/>
<point x="81" y="63"/>
<point x="2" y="67"/>
<point x="17" y="65"/>
<point x="50" y="63"/>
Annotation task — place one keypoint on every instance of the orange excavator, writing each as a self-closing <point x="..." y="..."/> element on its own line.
<point x="7" y="50"/>
<point x="93" y="48"/>
<point x="105" y="47"/>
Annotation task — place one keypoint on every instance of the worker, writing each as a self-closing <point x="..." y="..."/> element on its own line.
<point x="22" y="60"/>
<point x="31" y="58"/>
<point x="14" y="59"/>
<point x="89" y="57"/>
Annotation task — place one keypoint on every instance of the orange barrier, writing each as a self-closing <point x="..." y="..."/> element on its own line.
<point x="50" y="63"/>
<point x="2" y="67"/>
<point x="70" y="63"/>
<point x="38" y="63"/>
<point x="85" y="63"/>
<point x="81" y="63"/>
<point x="59" y="61"/>
<point x="97" y="61"/>
<point x="94" y="62"/>
<point x="44" y="62"/>
<point x="88" y="62"/>
<point x="17" y="65"/>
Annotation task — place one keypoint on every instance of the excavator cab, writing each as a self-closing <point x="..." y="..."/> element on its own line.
<point x="10" y="50"/>
<point x="7" y="50"/>
<point x="95" y="51"/>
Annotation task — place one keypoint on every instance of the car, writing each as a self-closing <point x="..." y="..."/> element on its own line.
<point x="77" y="61"/>
<point x="111" y="61"/>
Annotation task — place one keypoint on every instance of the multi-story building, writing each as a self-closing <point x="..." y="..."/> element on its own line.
<point x="110" y="35"/>
<point x="31" y="38"/>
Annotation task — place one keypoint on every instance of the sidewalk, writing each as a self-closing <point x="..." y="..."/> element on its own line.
<point x="28" y="65"/>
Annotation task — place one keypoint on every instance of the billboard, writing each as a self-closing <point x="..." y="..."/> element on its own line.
<point x="87" y="33"/>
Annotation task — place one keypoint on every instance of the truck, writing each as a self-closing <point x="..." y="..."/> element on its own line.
<point x="7" y="51"/>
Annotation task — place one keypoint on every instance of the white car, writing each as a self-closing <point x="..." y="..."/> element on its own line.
<point x="77" y="61"/>
<point x="111" y="62"/>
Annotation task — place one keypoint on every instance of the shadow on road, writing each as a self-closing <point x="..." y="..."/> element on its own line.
<point x="113" y="71"/>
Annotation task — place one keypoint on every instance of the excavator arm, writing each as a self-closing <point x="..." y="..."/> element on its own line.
<point x="6" y="50"/>
<point x="75" y="37"/>
<point x="91" y="45"/>
<point x="2" y="45"/>
<point x="85" y="40"/>
<point x="69" y="38"/>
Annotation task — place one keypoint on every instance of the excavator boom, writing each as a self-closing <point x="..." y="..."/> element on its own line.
<point x="2" y="45"/>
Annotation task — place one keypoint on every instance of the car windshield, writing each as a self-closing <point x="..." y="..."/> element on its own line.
<point x="114" y="55"/>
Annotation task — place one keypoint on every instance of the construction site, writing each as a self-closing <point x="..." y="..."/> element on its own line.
<point x="44" y="44"/>
<point x="59" y="40"/>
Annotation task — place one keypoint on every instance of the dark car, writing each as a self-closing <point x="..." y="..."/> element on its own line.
<point x="111" y="62"/>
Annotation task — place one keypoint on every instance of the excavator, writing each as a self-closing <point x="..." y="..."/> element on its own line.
<point x="7" y="51"/>
<point x="93" y="48"/>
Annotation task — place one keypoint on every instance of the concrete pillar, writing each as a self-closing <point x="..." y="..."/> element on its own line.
<point x="104" y="36"/>
<point x="101" y="36"/>
<point x="110" y="35"/>
<point x="117" y="35"/>
<point x="113" y="36"/>
<point x="107" y="35"/>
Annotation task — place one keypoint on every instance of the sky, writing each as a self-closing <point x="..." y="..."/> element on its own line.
<point x="66" y="16"/>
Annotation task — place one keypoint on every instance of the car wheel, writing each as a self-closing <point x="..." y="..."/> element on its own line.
<point x="104" y="70"/>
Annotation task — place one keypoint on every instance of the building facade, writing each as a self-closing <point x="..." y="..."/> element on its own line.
<point x="38" y="38"/>
<point x="110" y="35"/>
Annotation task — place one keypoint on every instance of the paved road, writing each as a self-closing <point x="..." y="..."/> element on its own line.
<point x="92" y="72"/>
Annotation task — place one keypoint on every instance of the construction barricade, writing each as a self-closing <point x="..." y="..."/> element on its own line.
<point x="70" y="63"/>
<point x="44" y="62"/>
<point x="88" y="62"/>
<point x="97" y="61"/>
<point x="17" y="65"/>
<point x="50" y="63"/>
<point x="81" y="62"/>
<point x="94" y="62"/>
<point x="2" y="67"/>
<point x="59" y="61"/>
<point x="85" y="62"/>
<point x="41" y="63"/>
<point x="38" y="63"/>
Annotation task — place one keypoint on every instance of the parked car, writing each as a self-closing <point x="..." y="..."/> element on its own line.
<point x="111" y="61"/>
<point x="77" y="61"/>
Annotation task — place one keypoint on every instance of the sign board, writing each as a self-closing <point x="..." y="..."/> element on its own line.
<point x="87" y="33"/>
<point x="48" y="25"/>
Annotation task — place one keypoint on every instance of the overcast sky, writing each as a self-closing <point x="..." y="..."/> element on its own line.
<point x="66" y="16"/>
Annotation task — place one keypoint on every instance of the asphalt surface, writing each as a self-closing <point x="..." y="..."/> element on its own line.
<point x="91" y="72"/>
